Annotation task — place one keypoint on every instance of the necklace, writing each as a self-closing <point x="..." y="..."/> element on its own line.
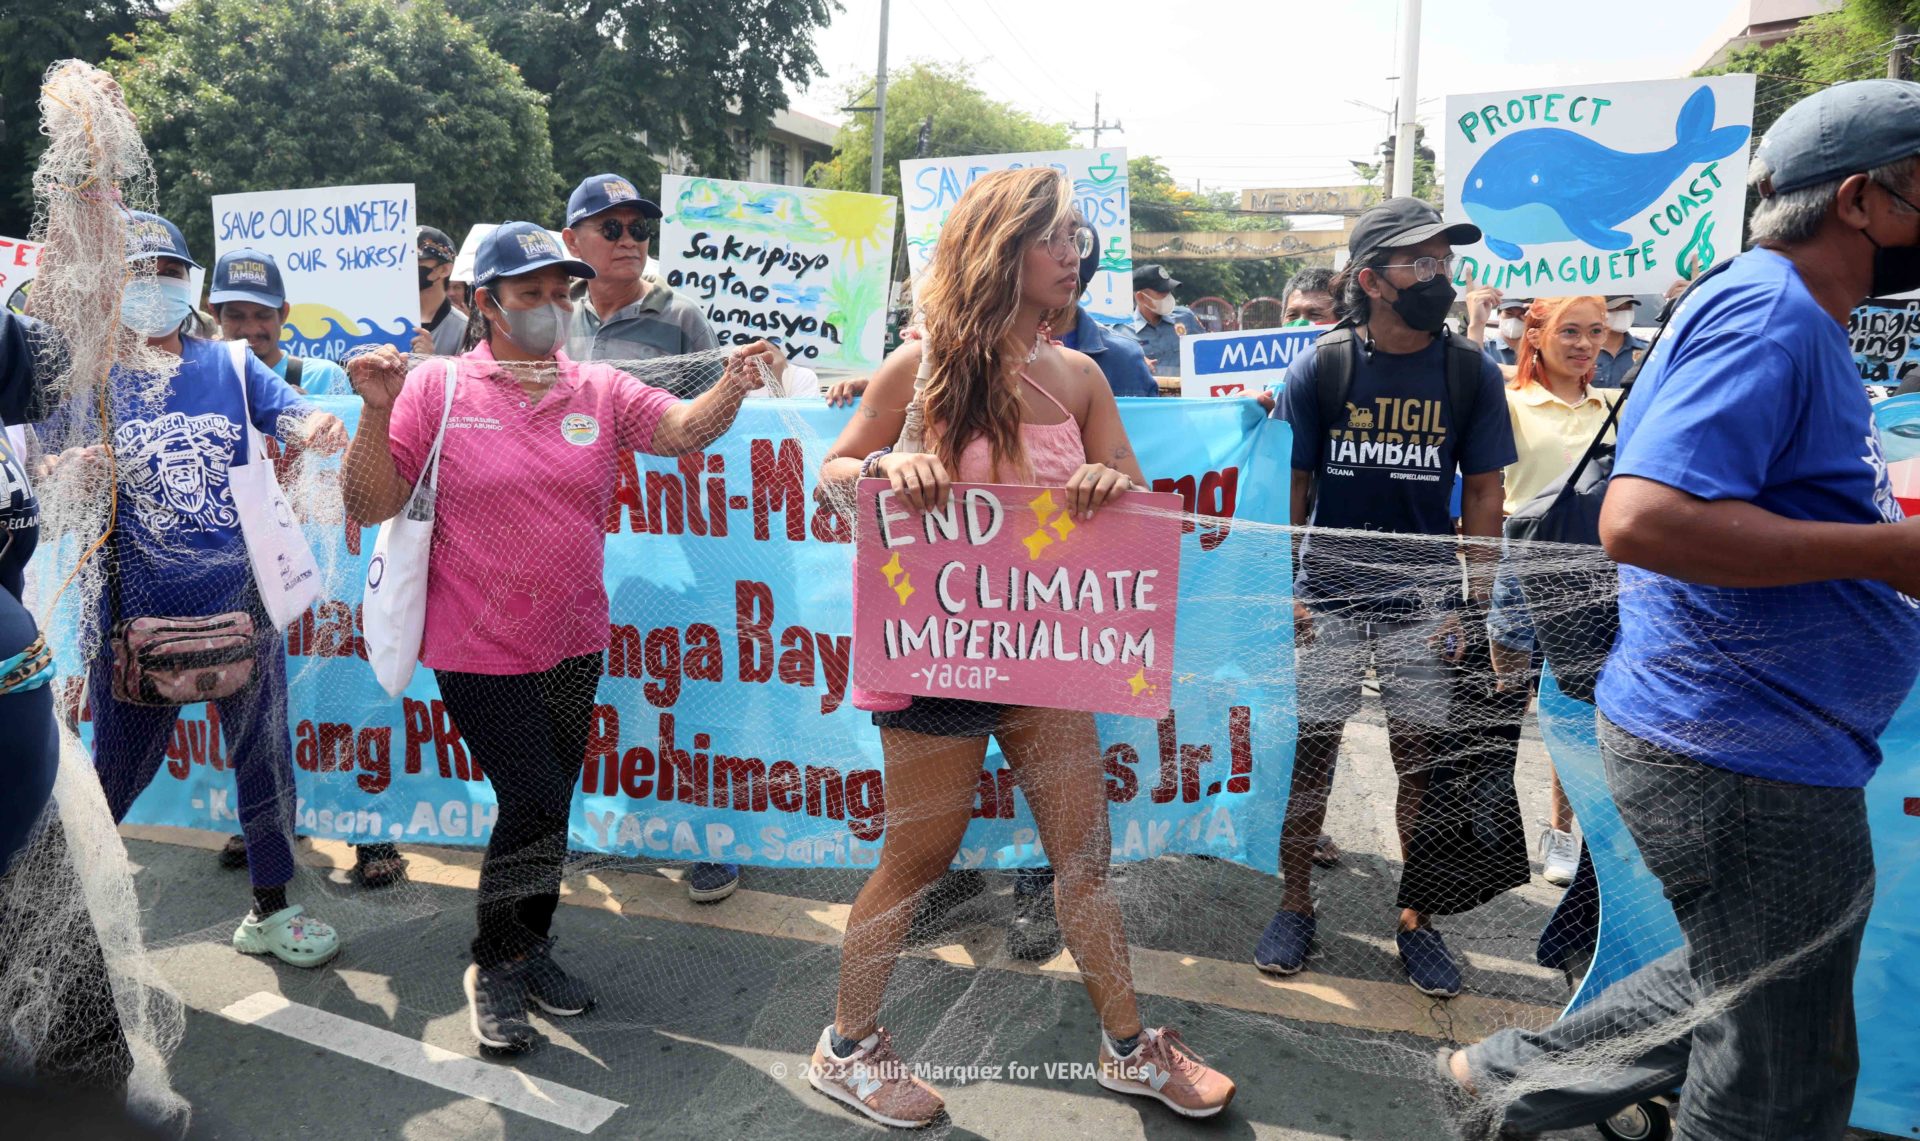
<point x="1039" y="338"/>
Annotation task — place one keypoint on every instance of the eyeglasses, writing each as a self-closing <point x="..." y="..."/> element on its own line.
<point x="1898" y="195"/>
<point x="1424" y="269"/>
<point x="639" y="231"/>
<point x="1070" y="246"/>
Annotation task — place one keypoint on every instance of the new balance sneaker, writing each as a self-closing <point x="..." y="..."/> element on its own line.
<point x="289" y="935"/>
<point x="497" y="1007"/>
<point x="874" y="1081"/>
<point x="1283" y="946"/>
<point x="1560" y="852"/>
<point x="711" y="883"/>
<point x="552" y="989"/>
<point x="1430" y="966"/>
<point x="1165" y="1069"/>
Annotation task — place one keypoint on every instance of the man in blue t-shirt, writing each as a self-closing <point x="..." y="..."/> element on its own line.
<point x="250" y="302"/>
<point x="1384" y="464"/>
<point x="1768" y="631"/>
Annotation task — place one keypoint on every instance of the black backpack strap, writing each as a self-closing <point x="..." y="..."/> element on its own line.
<point x="1334" y="356"/>
<point x="293" y="370"/>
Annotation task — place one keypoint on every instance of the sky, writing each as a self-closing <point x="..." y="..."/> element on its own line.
<point x="1232" y="94"/>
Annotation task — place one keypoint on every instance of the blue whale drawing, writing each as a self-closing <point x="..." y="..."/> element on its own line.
<point x="1546" y="184"/>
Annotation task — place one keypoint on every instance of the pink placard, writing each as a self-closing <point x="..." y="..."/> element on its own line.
<point x="1002" y="597"/>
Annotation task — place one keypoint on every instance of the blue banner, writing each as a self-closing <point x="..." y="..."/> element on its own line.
<point x="723" y="731"/>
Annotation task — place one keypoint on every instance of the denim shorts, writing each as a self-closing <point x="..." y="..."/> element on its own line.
<point x="945" y="717"/>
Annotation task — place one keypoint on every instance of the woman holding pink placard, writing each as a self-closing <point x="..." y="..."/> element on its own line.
<point x="998" y="402"/>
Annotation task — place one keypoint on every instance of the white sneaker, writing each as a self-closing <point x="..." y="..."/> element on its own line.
<point x="1560" y="852"/>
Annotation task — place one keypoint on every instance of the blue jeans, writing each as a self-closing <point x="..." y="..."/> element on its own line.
<point x="1752" y="1019"/>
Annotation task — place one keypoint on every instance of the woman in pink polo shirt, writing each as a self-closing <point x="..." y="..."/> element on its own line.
<point x="516" y="605"/>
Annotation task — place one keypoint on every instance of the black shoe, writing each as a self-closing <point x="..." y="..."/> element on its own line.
<point x="234" y="855"/>
<point x="497" y="1007"/>
<point x="552" y="989"/>
<point x="378" y="865"/>
<point x="1034" y="934"/>
<point x="948" y="892"/>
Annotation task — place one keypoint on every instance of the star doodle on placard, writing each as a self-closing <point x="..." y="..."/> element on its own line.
<point x="1062" y="526"/>
<point x="904" y="588"/>
<point x="1139" y="684"/>
<point x="1037" y="542"/>
<point x="892" y="569"/>
<point x="1043" y="508"/>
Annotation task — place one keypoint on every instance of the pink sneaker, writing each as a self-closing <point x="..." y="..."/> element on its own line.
<point x="1163" y="1068"/>
<point x="874" y="1081"/>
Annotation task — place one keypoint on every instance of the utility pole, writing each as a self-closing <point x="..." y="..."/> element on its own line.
<point x="1407" y="107"/>
<point x="1098" y="125"/>
<point x="1902" y="43"/>
<point x="880" y="108"/>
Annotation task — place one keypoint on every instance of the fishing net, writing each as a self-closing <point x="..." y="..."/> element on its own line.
<point x="719" y="726"/>
<point x="84" y="1004"/>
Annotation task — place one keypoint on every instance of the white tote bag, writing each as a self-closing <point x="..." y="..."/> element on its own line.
<point x="283" y="564"/>
<point x="395" y="605"/>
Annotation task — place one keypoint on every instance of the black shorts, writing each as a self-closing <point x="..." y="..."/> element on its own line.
<point x="946" y="717"/>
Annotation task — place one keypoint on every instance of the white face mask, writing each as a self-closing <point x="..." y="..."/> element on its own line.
<point x="154" y="307"/>
<point x="1620" y="320"/>
<point x="1512" y="327"/>
<point x="1161" y="306"/>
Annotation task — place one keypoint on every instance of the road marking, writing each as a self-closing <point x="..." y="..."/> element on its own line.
<point x="1311" y="996"/>
<point x="503" y="1086"/>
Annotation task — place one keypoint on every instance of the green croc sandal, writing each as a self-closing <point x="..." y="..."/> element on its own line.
<point x="290" y="936"/>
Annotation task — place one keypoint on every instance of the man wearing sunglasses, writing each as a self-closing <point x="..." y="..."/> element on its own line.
<point x="625" y="315"/>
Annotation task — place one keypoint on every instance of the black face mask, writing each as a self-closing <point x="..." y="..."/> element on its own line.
<point x="1896" y="269"/>
<point x="1424" y="306"/>
<point x="426" y="277"/>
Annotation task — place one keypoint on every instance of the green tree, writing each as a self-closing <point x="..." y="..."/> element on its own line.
<point x="1851" y="42"/>
<point x="236" y="95"/>
<point x="628" y="80"/>
<point x="964" y="121"/>
<point x="32" y="37"/>
<point x="1159" y="205"/>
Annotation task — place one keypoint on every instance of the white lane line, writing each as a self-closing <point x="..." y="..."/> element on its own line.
<point x="503" y="1086"/>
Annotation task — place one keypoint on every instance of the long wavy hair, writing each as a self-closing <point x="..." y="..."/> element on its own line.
<point x="971" y="294"/>
<point x="1545" y="315"/>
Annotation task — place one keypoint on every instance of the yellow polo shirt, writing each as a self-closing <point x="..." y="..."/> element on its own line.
<point x="1550" y="435"/>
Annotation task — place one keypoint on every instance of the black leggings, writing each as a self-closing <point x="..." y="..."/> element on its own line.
<point x="528" y="733"/>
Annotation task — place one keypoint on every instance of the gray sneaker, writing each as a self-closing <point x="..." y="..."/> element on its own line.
<point x="497" y="1007"/>
<point x="552" y="989"/>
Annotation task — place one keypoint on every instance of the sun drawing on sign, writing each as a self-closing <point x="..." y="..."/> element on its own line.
<point x="857" y="221"/>
<point x="898" y="578"/>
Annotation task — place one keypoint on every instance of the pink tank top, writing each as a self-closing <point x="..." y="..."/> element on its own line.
<point x="1054" y="451"/>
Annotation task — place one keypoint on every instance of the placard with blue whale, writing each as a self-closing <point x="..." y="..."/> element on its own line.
<point x="1608" y="188"/>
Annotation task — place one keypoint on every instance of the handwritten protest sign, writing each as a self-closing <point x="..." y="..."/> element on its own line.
<point x="930" y="187"/>
<point x="19" y="262"/>
<point x="1241" y="362"/>
<point x="346" y="254"/>
<point x="1003" y="596"/>
<point x="806" y="269"/>
<point x="1611" y="188"/>
<point x="1885" y="336"/>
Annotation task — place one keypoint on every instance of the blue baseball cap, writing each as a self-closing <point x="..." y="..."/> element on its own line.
<point x="247" y="275"/>
<point x="1845" y="129"/>
<point x="151" y="236"/>
<point x="602" y="192"/>
<point x="515" y="248"/>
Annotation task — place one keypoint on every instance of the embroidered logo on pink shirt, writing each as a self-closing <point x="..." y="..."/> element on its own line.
<point x="580" y="429"/>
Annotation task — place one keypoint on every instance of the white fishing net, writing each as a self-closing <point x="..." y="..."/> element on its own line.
<point x="719" y="726"/>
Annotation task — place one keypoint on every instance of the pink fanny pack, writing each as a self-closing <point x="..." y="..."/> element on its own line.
<point x="182" y="661"/>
